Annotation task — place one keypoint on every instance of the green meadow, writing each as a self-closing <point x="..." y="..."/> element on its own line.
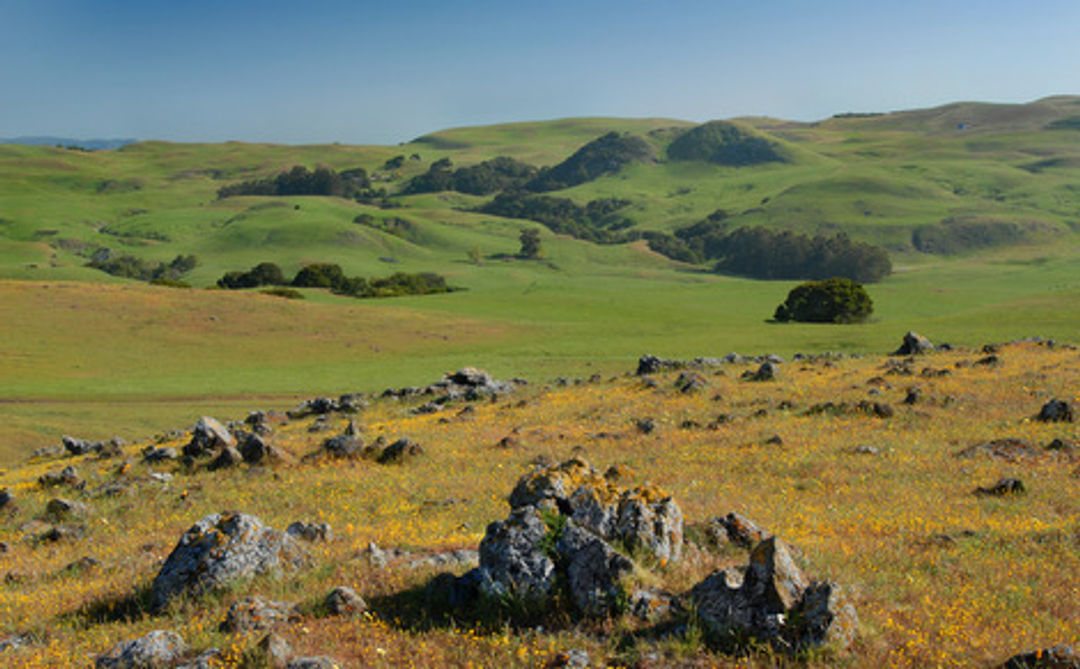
<point x="90" y="354"/>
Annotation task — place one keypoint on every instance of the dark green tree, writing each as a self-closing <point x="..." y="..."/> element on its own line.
<point x="530" y="243"/>
<point x="834" y="300"/>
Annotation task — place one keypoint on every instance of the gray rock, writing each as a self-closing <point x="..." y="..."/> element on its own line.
<point x="160" y="648"/>
<point x="66" y="476"/>
<point x="228" y="458"/>
<point x="256" y="613"/>
<point x="220" y="548"/>
<point x="318" y="662"/>
<point x="61" y="509"/>
<point x="343" y="601"/>
<point x="914" y="343"/>
<point x="275" y="649"/>
<point x="48" y="452"/>
<point x="208" y="436"/>
<point x="1005" y="486"/>
<point x="1056" y="411"/>
<point x="15" y="641"/>
<point x="512" y="558"/>
<point x="594" y="571"/>
<point x="254" y="449"/>
<point x="737" y="529"/>
<point x="1055" y="657"/>
<point x="6" y="498"/>
<point x="651" y="605"/>
<point x="343" y="446"/>
<point x="310" y="531"/>
<point x="824" y="616"/>
<point x="399" y="451"/>
<point x="571" y="659"/>
<point x="768" y="371"/>
<point x="80" y="446"/>
<point x="208" y="659"/>
<point x="153" y="455"/>
<point x="647" y="521"/>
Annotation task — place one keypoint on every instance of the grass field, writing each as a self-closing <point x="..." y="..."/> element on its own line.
<point x="939" y="576"/>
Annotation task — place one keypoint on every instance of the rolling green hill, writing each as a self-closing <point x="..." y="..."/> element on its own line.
<point x="977" y="204"/>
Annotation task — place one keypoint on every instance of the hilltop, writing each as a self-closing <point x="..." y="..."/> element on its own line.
<point x="979" y="224"/>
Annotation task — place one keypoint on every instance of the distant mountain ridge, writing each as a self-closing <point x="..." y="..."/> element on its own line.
<point x="90" y="144"/>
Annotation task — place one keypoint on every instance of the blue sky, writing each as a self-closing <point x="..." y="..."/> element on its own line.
<point x="364" y="72"/>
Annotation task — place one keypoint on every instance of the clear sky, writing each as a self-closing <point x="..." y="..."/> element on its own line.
<point x="386" y="72"/>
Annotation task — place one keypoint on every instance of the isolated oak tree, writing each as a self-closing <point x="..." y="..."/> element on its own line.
<point x="836" y="300"/>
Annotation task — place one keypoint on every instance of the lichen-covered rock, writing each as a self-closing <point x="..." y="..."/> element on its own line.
<point x="649" y="520"/>
<point x="594" y="571"/>
<point x="275" y="650"/>
<point x="554" y="484"/>
<point x="344" y="601"/>
<point x="256" y="613"/>
<point x="66" y="476"/>
<point x="737" y="529"/>
<point x="770" y="600"/>
<point x="160" y="648"/>
<point x="219" y="548"/>
<point x="512" y="558"/>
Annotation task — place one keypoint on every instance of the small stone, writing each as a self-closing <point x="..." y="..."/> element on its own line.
<point x="1005" y="486"/>
<point x="275" y="649"/>
<point x="343" y="601"/>
<point x="61" y="509"/>
<point x="1056" y="411"/>
<point x="310" y="532"/>
<point x="256" y="613"/>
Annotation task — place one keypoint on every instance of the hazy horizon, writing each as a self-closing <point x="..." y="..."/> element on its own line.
<point x="358" y="73"/>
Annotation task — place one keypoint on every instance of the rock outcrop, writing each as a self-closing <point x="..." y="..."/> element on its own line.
<point x="771" y="601"/>
<point x="220" y="548"/>
<point x="913" y="344"/>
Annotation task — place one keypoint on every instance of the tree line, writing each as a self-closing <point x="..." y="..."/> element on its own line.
<point x="299" y="180"/>
<point x="332" y="277"/>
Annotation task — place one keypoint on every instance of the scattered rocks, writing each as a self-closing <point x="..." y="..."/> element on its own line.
<point x="159" y="648"/>
<point x="469" y="384"/>
<point x="220" y="548"/>
<point x="258" y="614"/>
<point x="1005" y="486"/>
<point x="771" y="601"/>
<point x="1056" y="411"/>
<point x="66" y="476"/>
<point x="914" y="343"/>
<point x="343" y="601"/>
<point x="310" y="532"/>
<point x="1055" y="657"/>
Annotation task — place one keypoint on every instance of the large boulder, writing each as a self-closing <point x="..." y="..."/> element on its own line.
<point x="770" y="600"/>
<point x="914" y="343"/>
<point x="220" y="548"/>
<point x="160" y="648"/>
<point x="513" y="559"/>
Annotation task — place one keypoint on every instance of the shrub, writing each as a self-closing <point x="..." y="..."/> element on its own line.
<point x="493" y="175"/>
<point x="834" y="300"/>
<point x="725" y="143"/>
<point x="263" y="274"/>
<point x="300" y="181"/>
<point x="604" y="155"/>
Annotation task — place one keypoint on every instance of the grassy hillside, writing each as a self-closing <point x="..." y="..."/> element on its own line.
<point x="883" y="506"/>
<point x="999" y="195"/>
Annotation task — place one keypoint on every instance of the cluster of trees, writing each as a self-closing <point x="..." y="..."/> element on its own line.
<point x="763" y="253"/>
<point x="596" y="222"/>
<point x="488" y="177"/>
<point x="835" y="300"/>
<point x="956" y="236"/>
<point x="131" y="267"/>
<point x="604" y="155"/>
<point x="332" y="277"/>
<point x="299" y="180"/>
<point x="724" y="143"/>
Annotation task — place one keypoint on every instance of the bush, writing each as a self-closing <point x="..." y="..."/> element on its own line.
<point x="601" y="156"/>
<point x="596" y="222"/>
<point x="834" y="300"/>
<point x="725" y="143"/>
<point x="263" y="274"/>
<point x="493" y="175"/>
<point x="301" y="181"/>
